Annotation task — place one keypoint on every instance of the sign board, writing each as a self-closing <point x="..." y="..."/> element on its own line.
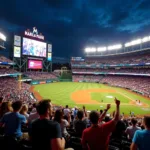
<point x="34" y="33"/>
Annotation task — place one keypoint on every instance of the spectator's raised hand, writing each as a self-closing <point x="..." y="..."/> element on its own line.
<point x="108" y="106"/>
<point x="83" y="107"/>
<point x="117" y="101"/>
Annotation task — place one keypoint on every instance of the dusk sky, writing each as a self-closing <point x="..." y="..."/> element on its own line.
<point x="72" y="25"/>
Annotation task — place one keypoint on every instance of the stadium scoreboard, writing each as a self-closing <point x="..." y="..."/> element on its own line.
<point x="32" y="44"/>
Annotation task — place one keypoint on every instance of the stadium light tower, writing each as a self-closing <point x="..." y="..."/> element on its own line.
<point x="101" y="49"/>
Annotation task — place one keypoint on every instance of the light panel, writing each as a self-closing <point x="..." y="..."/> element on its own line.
<point x="92" y="49"/>
<point x="113" y="47"/>
<point x="101" y="49"/>
<point x="2" y="36"/>
<point x="146" y="39"/>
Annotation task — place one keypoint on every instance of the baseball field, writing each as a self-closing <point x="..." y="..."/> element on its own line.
<point x="93" y="95"/>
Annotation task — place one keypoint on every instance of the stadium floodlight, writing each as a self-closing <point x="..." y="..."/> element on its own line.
<point x="88" y="50"/>
<point x="113" y="47"/>
<point x="135" y="42"/>
<point x="2" y="36"/>
<point x="127" y="44"/>
<point x="146" y="39"/>
<point x="93" y="49"/>
<point x="101" y="49"/>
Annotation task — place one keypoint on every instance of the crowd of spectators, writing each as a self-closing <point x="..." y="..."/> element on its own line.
<point x="117" y="59"/>
<point x="7" y="71"/>
<point x="36" y="75"/>
<point x="135" y="83"/>
<point x="113" y="70"/>
<point x="11" y="89"/>
<point x="86" y="78"/>
<point x="140" y="84"/>
<point x="48" y="127"/>
<point x="4" y="59"/>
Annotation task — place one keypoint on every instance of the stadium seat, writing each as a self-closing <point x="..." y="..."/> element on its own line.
<point x="110" y="147"/>
<point x="11" y="143"/>
<point x="75" y="143"/>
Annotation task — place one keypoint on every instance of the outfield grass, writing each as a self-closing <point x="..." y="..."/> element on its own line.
<point x="60" y="94"/>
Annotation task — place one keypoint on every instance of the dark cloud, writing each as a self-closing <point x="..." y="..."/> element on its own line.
<point x="72" y="25"/>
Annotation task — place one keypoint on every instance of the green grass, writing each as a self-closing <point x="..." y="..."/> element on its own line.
<point x="108" y="97"/>
<point x="60" y="94"/>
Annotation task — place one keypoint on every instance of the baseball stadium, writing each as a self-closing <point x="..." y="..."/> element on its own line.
<point x="98" y="100"/>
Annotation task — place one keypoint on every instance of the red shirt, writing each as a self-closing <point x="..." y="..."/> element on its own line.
<point x="97" y="137"/>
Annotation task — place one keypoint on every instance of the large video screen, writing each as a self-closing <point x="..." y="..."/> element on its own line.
<point x="33" y="48"/>
<point x="34" y="64"/>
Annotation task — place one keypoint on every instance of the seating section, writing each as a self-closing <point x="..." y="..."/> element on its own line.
<point x="10" y="90"/>
<point x="4" y="59"/>
<point x="7" y="71"/>
<point x="117" y="59"/>
<point x="86" y="78"/>
<point x="113" y="70"/>
<point x="140" y="84"/>
<point x="40" y="75"/>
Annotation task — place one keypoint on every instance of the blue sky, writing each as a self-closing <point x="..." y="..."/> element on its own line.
<point x="71" y="25"/>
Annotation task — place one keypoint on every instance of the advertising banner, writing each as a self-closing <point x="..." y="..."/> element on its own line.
<point x="17" y="40"/>
<point x="34" y="64"/>
<point x="17" y="51"/>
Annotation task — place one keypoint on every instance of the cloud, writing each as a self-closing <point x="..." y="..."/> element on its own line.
<point x="73" y="24"/>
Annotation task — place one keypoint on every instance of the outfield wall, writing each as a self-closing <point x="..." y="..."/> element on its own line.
<point x="34" y="82"/>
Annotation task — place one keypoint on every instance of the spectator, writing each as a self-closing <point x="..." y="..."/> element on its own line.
<point x="24" y="111"/>
<point x="12" y="121"/>
<point x="119" y="129"/>
<point x="80" y="124"/>
<point x="97" y="136"/>
<point x="34" y="114"/>
<point x="1" y="100"/>
<point x="66" y="111"/>
<point x="46" y="134"/>
<point x="141" y="139"/>
<point x="58" y="117"/>
<point x="131" y="130"/>
<point x="5" y="108"/>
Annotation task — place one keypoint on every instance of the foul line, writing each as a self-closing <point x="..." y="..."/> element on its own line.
<point x="126" y="96"/>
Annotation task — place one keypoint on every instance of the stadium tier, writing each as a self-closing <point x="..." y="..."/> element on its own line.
<point x="124" y="59"/>
<point x="131" y="71"/>
<point x="35" y="75"/>
<point x="4" y="59"/>
<point x="12" y="91"/>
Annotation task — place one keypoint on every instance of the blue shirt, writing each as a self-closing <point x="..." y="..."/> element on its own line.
<point x="13" y="121"/>
<point x="142" y="139"/>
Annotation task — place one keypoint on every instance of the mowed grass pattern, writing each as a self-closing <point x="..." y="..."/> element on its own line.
<point x="108" y="97"/>
<point x="60" y="94"/>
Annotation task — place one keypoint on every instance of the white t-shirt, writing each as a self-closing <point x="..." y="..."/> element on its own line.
<point x="131" y="130"/>
<point x="66" y="111"/>
<point x="63" y="125"/>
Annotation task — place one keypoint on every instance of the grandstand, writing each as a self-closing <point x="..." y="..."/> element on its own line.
<point x="126" y="69"/>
